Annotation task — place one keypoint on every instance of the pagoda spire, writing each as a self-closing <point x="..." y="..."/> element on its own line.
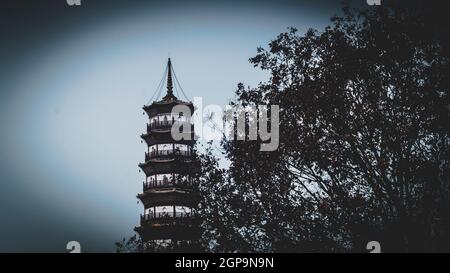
<point x="169" y="95"/>
<point x="169" y="79"/>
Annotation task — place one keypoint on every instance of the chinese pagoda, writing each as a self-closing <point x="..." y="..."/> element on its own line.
<point x="170" y="198"/>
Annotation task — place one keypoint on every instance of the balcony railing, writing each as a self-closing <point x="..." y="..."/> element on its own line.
<point x="160" y="124"/>
<point x="163" y="125"/>
<point x="155" y="184"/>
<point x="166" y="154"/>
<point x="166" y="216"/>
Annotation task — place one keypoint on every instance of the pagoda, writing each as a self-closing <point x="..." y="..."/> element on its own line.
<point x="169" y="196"/>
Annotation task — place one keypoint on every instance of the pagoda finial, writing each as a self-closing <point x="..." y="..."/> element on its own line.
<point x="169" y="96"/>
<point x="169" y="79"/>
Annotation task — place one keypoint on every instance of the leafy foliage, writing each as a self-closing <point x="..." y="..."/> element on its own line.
<point x="132" y="245"/>
<point x="364" y="142"/>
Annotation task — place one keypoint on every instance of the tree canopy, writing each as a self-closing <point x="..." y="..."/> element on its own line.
<point x="364" y="139"/>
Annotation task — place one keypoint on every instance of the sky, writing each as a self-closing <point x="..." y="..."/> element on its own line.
<point x="73" y="80"/>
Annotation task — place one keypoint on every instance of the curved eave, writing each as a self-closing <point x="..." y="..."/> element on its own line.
<point x="179" y="230"/>
<point x="167" y="102"/>
<point x="165" y="107"/>
<point x="165" y="190"/>
<point x="169" y="197"/>
<point x="165" y="138"/>
<point x="174" y="165"/>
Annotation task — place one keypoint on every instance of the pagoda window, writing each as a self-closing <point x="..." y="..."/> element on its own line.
<point x="181" y="147"/>
<point x="150" y="212"/>
<point x="164" y="211"/>
<point x="169" y="118"/>
<point x="183" y="212"/>
<point x="169" y="149"/>
<point x="159" y="180"/>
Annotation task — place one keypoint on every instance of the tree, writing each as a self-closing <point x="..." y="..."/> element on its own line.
<point x="364" y="140"/>
<point x="132" y="245"/>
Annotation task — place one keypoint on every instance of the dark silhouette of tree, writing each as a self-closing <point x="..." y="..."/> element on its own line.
<point x="364" y="142"/>
<point x="132" y="245"/>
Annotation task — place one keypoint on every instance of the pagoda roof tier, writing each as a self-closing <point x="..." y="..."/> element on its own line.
<point x="174" y="165"/>
<point x="165" y="138"/>
<point x="165" y="106"/>
<point x="169" y="197"/>
<point x="182" y="229"/>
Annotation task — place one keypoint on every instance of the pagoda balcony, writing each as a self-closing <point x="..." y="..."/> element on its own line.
<point x="163" y="154"/>
<point x="161" y="183"/>
<point x="161" y="217"/>
<point x="159" y="125"/>
<point x="166" y="125"/>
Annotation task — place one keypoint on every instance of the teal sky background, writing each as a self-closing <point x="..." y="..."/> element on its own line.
<point x="73" y="82"/>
